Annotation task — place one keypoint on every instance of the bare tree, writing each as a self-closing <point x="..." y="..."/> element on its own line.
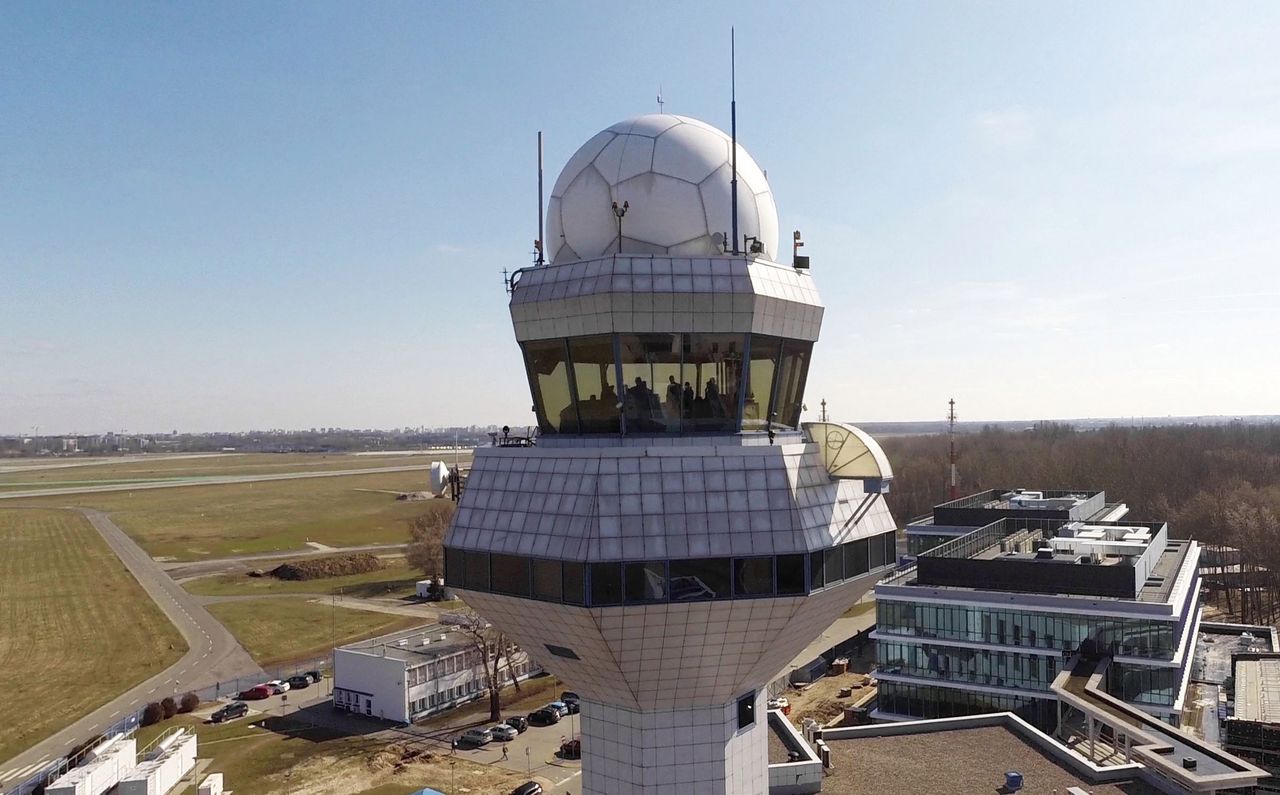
<point x="426" y="539"/>
<point x="491" y="646"/>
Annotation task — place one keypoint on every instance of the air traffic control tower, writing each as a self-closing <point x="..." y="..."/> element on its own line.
<point x="676" y="536"/>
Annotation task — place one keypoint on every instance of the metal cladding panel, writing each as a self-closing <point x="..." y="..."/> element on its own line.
<point x="665" y="656"/>
<point x="595" y="504"/>
<point x="643" y="294"/>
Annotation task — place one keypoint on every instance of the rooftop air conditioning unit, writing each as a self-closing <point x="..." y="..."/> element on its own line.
<point x="1044" y="553"/>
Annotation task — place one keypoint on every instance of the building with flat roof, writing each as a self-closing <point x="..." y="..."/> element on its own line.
<point x="408" y="675"/>
<point x="1252" y="731"/>
<point x="985" y="622"/>
<point x="958" y="517"/>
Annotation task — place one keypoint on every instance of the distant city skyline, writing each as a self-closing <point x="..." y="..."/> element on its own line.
<point x="242" y="216"/>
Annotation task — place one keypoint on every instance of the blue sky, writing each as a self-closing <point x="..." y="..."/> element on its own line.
<point x="232" y="216"/>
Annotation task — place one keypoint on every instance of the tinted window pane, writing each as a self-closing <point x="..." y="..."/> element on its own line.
<point x="890" y="548"/>
<point x="834" y="565"/>
<point x="763" y="363"/>
<point x="454" y="567"/>
<point x="713" y="365"/>
<point x="546" y="580"/>
<point x="646" y="582"/>
<point x="860" y="557"/>
<point x="816" y="570"/>
<point x="597" y="383"/>
<point x="790" y="574"/>
<point x="510" y="574"/>
<point x="548" y="368"/>
<point x="791" y="378"/>
<point x="477" y="571"/>
<point x="877" y="552"/>
<point x="606" y="583"/>
<point x="573" y="579"/>
<point x="692" y="580"/>
<point x="753" y="576"/>
<point x="656" y="396"/>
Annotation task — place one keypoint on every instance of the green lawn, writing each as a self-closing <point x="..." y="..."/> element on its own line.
<point x="276" y="631"/>
<point x="65" y="472"/>
<point x="397" y="579"/>
<point x="76" y="629"/>
<point x="191" y="523"/>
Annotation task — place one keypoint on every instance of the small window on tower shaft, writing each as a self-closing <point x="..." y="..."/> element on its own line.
<point x="747" y="710"/>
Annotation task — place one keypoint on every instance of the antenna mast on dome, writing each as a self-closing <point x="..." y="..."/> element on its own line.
<point x="539" y="244"/>
<point x="733" y="133"/>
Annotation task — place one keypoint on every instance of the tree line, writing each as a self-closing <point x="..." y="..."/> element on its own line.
<point x="1217" y="484"/>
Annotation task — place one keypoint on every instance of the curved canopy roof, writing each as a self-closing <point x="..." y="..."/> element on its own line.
<point x="849" y="451"/>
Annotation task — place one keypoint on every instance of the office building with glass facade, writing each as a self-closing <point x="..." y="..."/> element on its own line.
<point x="986" y="621"/>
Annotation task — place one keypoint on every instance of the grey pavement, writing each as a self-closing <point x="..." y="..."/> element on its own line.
<point x="203" y="480"/>
<point x="213" y="653"/>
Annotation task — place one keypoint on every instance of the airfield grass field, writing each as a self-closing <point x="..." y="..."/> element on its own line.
<point x="76" y="629"/>
<point x="196" y="522"/>
<point x="397" y="579"/>
<point x="291" y="629"/>
<point x="27" y="474"/>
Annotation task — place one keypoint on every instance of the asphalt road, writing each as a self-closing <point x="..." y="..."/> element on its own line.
<point x="207" y="480"/>
<point x="214" y="654"/>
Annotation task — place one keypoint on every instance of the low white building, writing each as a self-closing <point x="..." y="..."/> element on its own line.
<point x="410" y="674"/>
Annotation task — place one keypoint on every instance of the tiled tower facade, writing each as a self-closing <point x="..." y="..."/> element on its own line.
<point x="675" y="537"/>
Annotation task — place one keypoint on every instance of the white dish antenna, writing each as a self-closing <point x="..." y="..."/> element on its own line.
<point x="441" y="478"/>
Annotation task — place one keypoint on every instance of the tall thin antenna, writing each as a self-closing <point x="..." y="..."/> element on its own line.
<point x="954" y="492"/>
<point x="541" y="244"/>
<point x="660" y="102"/>
<point x="733" y="132"/>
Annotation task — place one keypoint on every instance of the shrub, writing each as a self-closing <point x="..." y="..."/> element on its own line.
<point x="189" y="702"/>
<point x="169" y="706"/>
<point x="154" y="713"/>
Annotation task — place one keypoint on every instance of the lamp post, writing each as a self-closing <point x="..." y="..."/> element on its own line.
<point x="619" y="212"/>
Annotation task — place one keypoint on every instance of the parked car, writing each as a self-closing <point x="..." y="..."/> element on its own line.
<point x="236" y="709"/>
<point x="255" y="692"/>
<point x="568" y="696"/>
<point x="571" y="749"/>
<point x="543" y="717"/>
<point x="299" y="682"/>
<point x="518" y="723"/>
<point x="558" y="706"/>
<point x="503" y="733"/>
<point x="315" y="676"/>
<point x="572" y="706"/>
<point x="528" y="788"/>
<point x="278" y="686"/>
<point x="478" y="736"/>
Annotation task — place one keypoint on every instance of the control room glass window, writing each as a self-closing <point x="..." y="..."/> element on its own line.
<point x="791" y="378"/>
<point x="790" y="574"/>
<point x="763" y="365"/>
<point x="477" y="571"/>
<point x="547" y="580"/>
<point x="548" y="367"/>
<point x="510" y="574"/>
<point x="713" y="368"/>
<point x="606" y="583"/>
<point x="654" y="382"/>
<point x="693" y="580"/>
<point x="574" y="580"/>
<point x="596" y="380"/>
<point x="646" y="582"/>
<point x="454" y="567"/>
<point x="753" y="576"/>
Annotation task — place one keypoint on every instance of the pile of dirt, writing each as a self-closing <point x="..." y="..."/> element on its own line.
<point x="396" y="756"/>
<point x="821" y="710"/>
<point x="319" y="568"/>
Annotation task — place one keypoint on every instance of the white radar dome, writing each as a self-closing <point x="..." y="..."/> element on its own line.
<point x="673" y="173"/>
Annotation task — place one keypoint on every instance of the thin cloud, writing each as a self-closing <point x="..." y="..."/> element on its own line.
<point x="1011" y="128"/>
